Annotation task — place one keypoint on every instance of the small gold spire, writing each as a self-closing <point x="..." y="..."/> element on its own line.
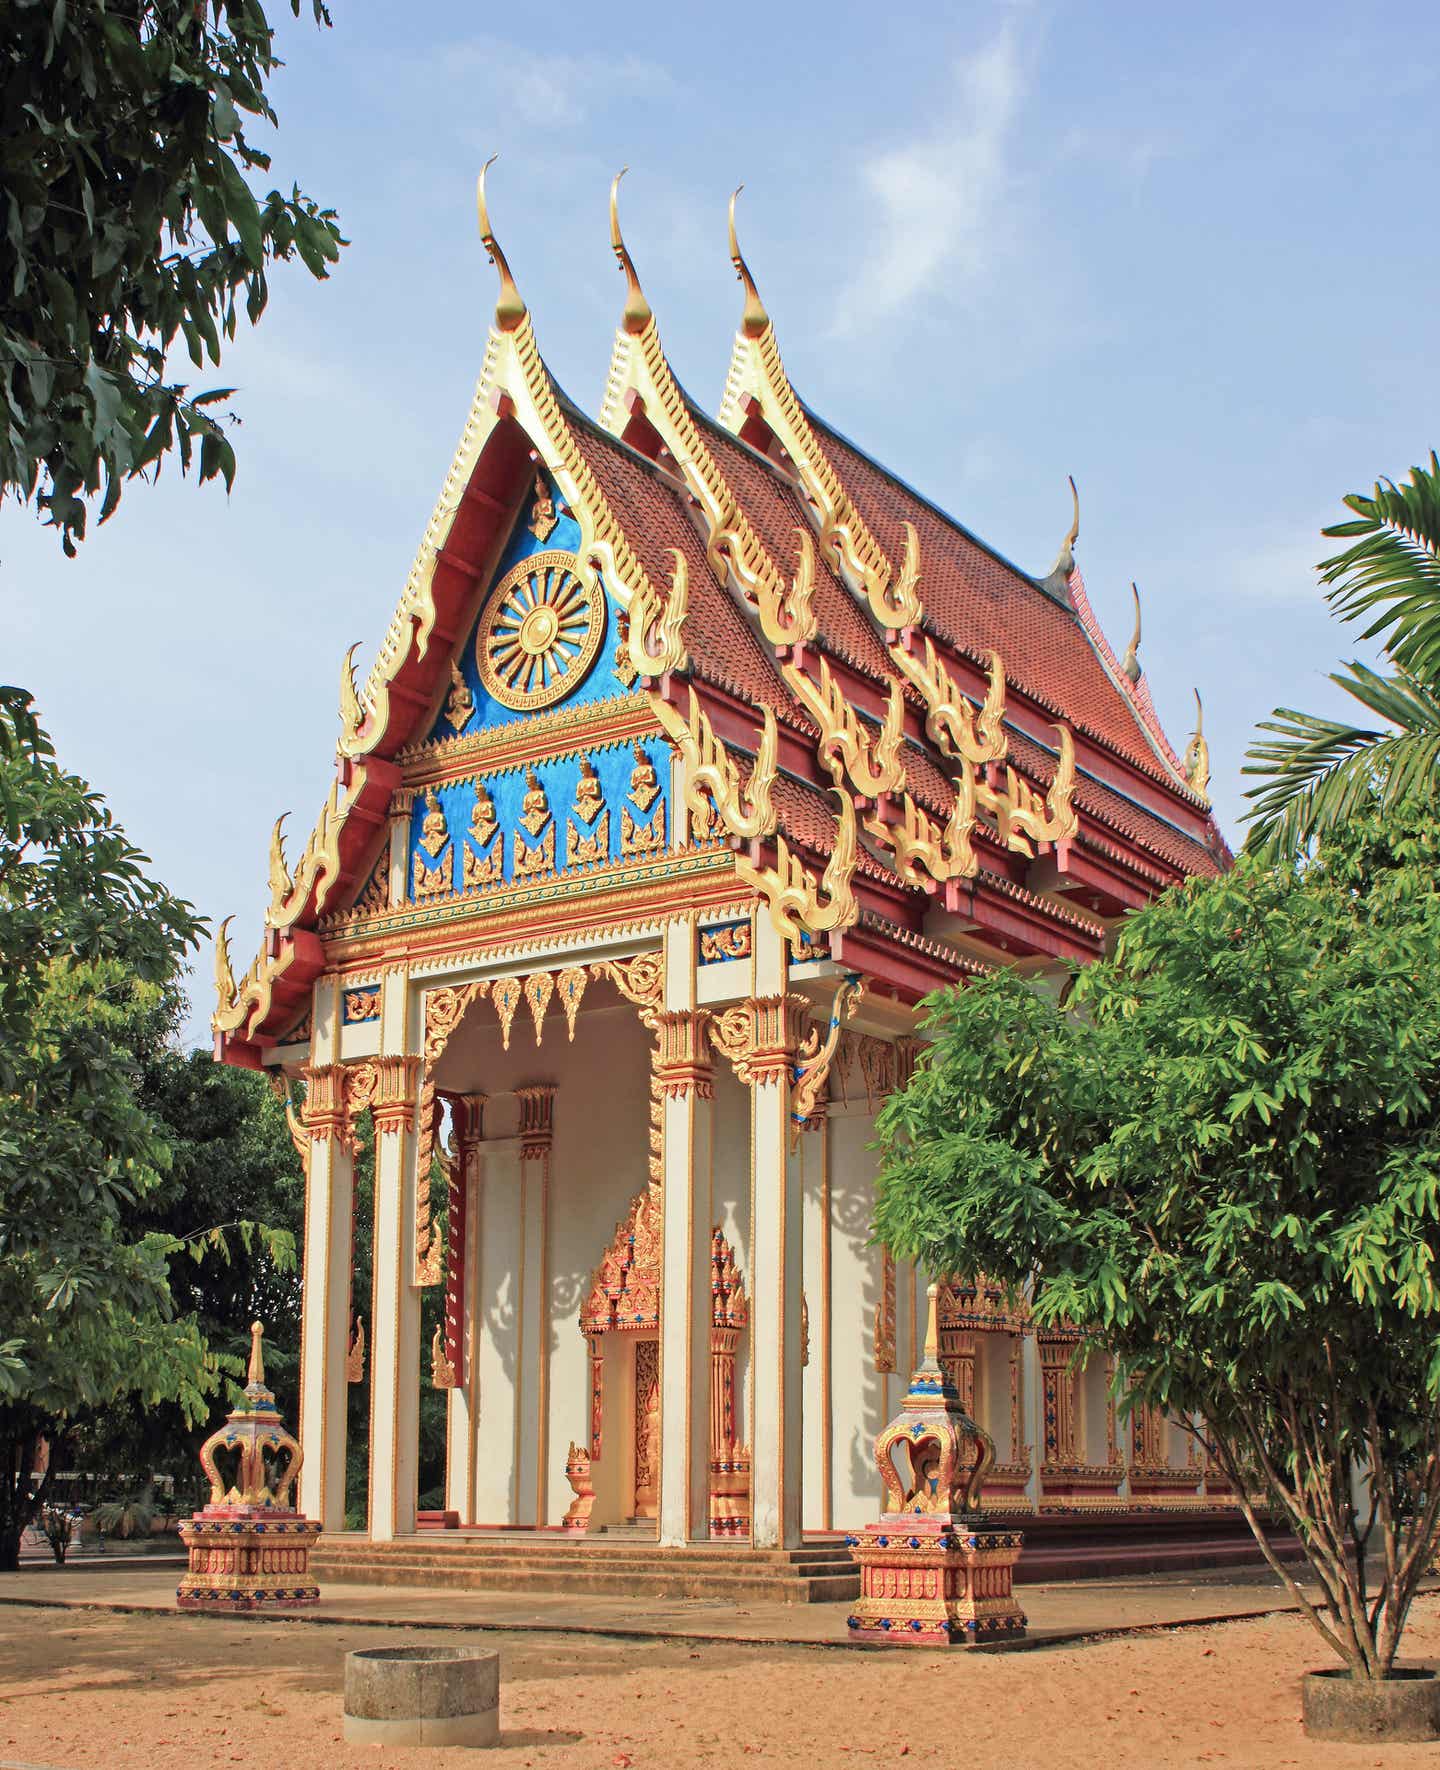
<point x="352" y="712"/>
<point x="755" y="319"/>
<point x="1197" y="754"/>
<point x="281" y="884"/>
<point x="932" y="1325"/>
<point x="224" y="973"/>
<point x="638" y="312"/>
<point x="1058" y="577"/>
<point x="1130" y="663"/>
<point x="255" y="1377"/>
<point x="509" y="305"/>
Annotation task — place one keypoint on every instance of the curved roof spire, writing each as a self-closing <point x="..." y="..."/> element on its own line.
<point x="1130" y="663"/>
<point x="509" y="304"/>
<point x="638" y="312"/>
<point x="755" y="319"/>
<point x="1058" y="576"/>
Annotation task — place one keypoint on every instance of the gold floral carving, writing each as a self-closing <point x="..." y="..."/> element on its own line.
<point x="362" y="1004"/>
<point x="885" y="1314"/>
<point x="872" y="763"/>
<point x="539" y="987"/>
<point x="506" y="993"/>
<point x="625" y="1287"/>
<point x="444" y="1009"/>
<point x="712" y="781"/>
<point x="804" y="1329"/>
<point x="355" y="1353"/>
<point x="531" y="861"/>
<point x="733" y="940"/>
<point x="459" y="703"/>
<point x="392" y="1104"/>
<point x="640" y="980"/>
<point x="797" y="904"/>
<point x="570" y="986"/>
<point x="951" y="723"/>
<point x="591" y="850"/>
<point x="375" y="898"/>
<point x="813" y="1070"/>
<point x="760" y="1038"/>
<point x="655" y="627"/>
<point x="442" y="1372"/>
<point x="537" y="1120"/>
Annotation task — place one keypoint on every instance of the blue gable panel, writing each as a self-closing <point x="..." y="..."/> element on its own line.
<point x="622" y="828"/>
<point x="598" y="682"/>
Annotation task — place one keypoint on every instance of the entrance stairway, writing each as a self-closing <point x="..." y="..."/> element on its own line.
<point x="624" y="1567"/>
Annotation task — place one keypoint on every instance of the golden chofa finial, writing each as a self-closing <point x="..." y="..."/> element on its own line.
<point x="1130" y="663"/>
<point x="755" y="319"/>
<point x="225" y="987"/>
<point x="1058" y="577"/>
<point x="1197" y="755"/>
<point x="638" y="312"/>
<point x="509" y="305"/>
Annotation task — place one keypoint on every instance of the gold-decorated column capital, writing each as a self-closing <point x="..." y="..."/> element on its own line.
<point x="763" y="1037"/>
<point x="682" y="1060"/>
<point x="324" y="1111"/>
<point x="537" y="1120"/>
<point x="393" y="1105"/>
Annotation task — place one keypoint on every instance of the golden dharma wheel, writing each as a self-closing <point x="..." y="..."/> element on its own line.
<point x="540" y="632"/>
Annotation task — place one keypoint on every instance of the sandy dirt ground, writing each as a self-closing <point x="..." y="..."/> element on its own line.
<point x="88" y="1689"/>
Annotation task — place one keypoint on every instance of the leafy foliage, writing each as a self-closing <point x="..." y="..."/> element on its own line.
<point x="1221" y="1161"/>
<point x="128" y="222"/>
<point x="89" y="946"/>
<point x="1319" y="771"/>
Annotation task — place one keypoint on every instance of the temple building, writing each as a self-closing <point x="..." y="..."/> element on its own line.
<point x="698" y="751"/>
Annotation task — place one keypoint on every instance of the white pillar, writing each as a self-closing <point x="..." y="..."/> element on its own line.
<point x="325" y="1297"/>
<point x="497" y="1307"/>
<point x="814" y="1292"/>
<point x="776" y="1433"/>
<point x="395" y="1313"/>
<point x="686" y="1080"/>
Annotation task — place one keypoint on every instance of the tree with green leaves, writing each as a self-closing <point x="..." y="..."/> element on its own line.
<point x="1320" y="772"/>
<point x="1220" y="1161"/>
<point x="129" y="223"/>
<point x="90" y="947"/>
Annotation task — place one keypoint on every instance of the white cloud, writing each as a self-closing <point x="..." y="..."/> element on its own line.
<point x="929" y="201"/>
<point x="1277" y="569"/>
<point x="555" y="90"/>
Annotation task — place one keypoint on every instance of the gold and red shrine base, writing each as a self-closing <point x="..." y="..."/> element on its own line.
<point x="242" y="1562"/>
<point x="924" y="1582"/>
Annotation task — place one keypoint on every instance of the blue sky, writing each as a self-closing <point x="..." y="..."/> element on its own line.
<point x="1186" y="254"/>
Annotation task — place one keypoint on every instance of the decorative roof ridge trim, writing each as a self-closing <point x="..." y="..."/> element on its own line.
<point x="1137" y="693"/>
<point x="568" y="723"/>
<point x="733" y="549"/>
<point x="925" y="943"/>
<point x="1037" y="900"/>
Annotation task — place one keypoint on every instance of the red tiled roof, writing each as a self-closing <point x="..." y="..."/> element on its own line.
<point x="978" y="603"/>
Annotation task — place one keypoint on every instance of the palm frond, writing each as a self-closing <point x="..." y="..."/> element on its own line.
<point x="1392" y="570"/>
<point x="1320" y="771"/>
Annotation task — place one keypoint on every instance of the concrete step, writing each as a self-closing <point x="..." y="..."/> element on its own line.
<point x="732" y="1588"/>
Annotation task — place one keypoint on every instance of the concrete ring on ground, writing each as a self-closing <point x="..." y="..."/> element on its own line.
<point x="422" y="1696"/>
<point x="1404" y="1706"/>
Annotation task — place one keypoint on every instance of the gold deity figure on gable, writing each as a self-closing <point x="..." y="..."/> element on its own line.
<point x="534" y="857"/>
<point x="433" y="877"/>
<point x="588" y="850"/>
<point x="643" y="835"/>
<point x="481" y="868"/>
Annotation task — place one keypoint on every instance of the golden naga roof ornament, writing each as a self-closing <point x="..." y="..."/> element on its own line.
<point x="1130" y="663"/>
<point x="281" y="884"/>
<point x="846" y="747"/>
<point x="813" y="1070"/>
<point x="226" y="988"/>
<point x="509" y="304"/>
<point x="896" y="603"/>
<point x="1022" y="817"/>
<point x="1197" y="755"/>
<point x="711" y="777"/>
<point x="920" y="846"/>
<point x="1058" y="577"/>
<point x="638" y="313"/>
<point x="655" y="630"/>
<point x="352" y="712"/>
<point x="754" y="320"/>
<point x="951" y="723"/>
<point x="797" y="905"/>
